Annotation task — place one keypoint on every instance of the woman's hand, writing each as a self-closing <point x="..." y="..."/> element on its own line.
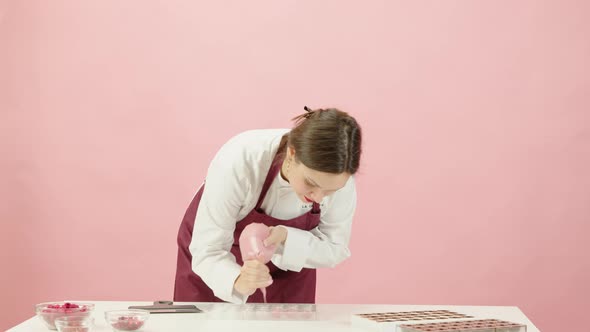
<point x="278" y="235"/>
<point x="253" y="275"/>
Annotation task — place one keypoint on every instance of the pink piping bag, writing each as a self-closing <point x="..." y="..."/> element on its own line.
<point x="252" y="245"/>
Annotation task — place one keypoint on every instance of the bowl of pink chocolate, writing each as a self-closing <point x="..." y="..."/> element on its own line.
<point x="48" y="312"/>
<point x="127" y="320"/>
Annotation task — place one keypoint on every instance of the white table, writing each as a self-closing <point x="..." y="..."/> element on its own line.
<point x="230" y="317"/>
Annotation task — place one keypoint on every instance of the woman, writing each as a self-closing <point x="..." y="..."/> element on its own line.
<point x="298" y="182"/>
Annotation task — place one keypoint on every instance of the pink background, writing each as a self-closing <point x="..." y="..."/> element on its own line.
<point x="475" y="183"/>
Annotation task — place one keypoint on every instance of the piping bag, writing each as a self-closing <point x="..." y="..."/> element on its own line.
<point x="252" y="246"/>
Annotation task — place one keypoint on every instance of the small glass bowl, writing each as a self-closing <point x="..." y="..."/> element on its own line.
<point x="126" y="320"/>
<point x="74" y="323"/>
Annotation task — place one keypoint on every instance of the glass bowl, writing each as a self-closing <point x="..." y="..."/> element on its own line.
<point x="74" y="323"/>
<point x="48" y="312"/>
<point x="126" y="320"/>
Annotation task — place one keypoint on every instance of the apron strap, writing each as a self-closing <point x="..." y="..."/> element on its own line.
<point x="272" y="172"/>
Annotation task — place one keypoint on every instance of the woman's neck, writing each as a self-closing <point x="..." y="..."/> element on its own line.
<point x="283" y="170"/>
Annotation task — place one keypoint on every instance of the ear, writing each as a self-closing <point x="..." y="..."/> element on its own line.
<point x="291" y="152"/>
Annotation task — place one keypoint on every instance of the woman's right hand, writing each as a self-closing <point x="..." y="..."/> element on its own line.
<point x="253" y="275"/>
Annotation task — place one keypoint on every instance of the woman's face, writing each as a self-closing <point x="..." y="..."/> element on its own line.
<point x="311" y="185"/>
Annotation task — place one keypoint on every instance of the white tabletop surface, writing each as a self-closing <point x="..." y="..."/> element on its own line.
<point x="230" y="317"/>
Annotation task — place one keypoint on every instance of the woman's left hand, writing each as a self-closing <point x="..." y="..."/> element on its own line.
<point x="278" y="235"/>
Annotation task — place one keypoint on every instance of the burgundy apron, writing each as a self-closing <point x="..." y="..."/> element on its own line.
<point x="287" y="286"/>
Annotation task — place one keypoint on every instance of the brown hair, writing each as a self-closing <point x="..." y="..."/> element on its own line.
<point x="325" y="140"/>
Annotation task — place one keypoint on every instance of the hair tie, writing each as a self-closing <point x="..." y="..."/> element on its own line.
<point x="309" y="113"/>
